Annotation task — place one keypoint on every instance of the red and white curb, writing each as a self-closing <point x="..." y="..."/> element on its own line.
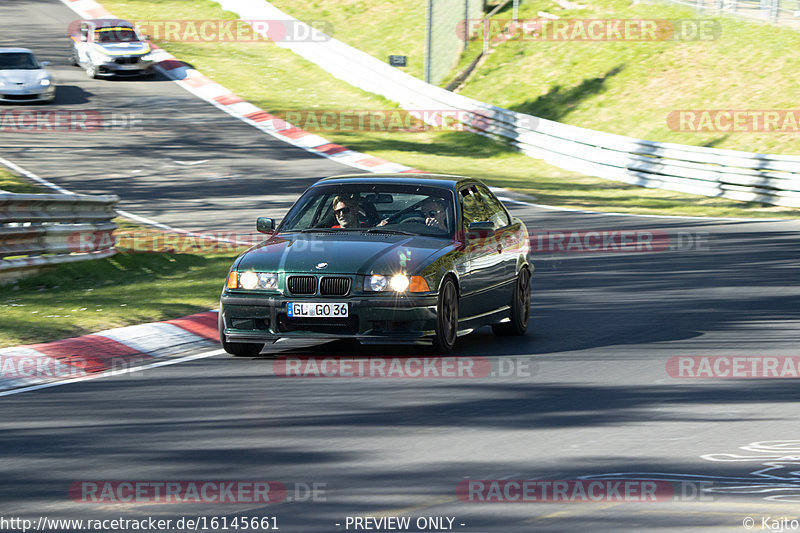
<point x="215" y="94"/>
<point x="112" y="351"/>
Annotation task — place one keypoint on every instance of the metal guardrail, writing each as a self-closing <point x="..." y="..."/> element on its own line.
<point x="37" y="230"/>
<point x="783" y="12"/>
<point x="764" y="178"/>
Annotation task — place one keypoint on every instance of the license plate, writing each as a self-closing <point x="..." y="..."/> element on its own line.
<point x="317" y="309"/>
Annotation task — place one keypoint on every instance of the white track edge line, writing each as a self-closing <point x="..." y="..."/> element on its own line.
<point x="110" y="373"/>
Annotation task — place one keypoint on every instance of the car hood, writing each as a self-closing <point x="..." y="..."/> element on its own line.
<point x="24" y="76"/>
<point x="344" y="253"/>
<point x="123" y="49"/>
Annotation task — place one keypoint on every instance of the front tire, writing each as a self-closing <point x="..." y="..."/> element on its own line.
<point x="238" y="349"/>
<point x="520" y="307"/>
<point x="446" y="318"/>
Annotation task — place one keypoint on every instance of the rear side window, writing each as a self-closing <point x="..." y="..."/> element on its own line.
<point x="497" y="212"/>
<point x="480" y="205"/>
<point x="472" y="210"/>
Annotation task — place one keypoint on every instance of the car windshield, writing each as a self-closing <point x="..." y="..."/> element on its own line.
<point x="374" y="208"/>
<point x="115" y="35"/>
<point x="18" y="61"/>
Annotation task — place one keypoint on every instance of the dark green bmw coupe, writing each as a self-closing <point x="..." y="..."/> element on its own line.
<point x="384" y="259"/>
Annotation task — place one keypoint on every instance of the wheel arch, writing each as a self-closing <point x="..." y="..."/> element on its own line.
<point x="451" y="275"/>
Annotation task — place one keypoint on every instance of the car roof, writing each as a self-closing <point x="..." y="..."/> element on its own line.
<point x="446" y="181"/>
<point x="110" y="23"/>
<point x="14" y="50"/>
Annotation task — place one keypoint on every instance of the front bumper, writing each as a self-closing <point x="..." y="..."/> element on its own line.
<point x="25" y="95"/>
<point x="380" y="319"/>
<point x="113" y="68"/>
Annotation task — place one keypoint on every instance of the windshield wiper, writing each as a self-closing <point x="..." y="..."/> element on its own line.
<point x="391" y="231"/>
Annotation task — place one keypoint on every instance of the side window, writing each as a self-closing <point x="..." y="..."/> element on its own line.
<point x="497" y="214"/>
<point x="471" y="209"/>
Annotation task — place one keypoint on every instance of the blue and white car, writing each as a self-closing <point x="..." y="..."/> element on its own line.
<point x="110" y="47"/>
<point x="23" y="79"/>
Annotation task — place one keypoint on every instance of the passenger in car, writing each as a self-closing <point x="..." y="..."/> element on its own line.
<point x="345" y="209"/>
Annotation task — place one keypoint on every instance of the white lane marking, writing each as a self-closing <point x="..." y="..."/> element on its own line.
<point x="777" y="476"/>
<point x="189" y="163"/>
<point x="16" y="168"/>
<point x="143" y="220"/>
<point x="109" y="373"/>
<point x="120" y="212"/>
<point x="150" y="222"/>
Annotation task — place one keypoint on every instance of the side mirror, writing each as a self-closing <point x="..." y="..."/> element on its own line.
<point x="479" y="233"/>
<point x="265" y="225"/>
<point x="44" y="63"/>
<point x="484" y="228"/>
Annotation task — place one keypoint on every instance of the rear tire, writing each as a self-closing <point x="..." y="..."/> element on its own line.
<point x="238" y="349"/>
<point x="520" y="307"/>
<point x="446" y="318"/>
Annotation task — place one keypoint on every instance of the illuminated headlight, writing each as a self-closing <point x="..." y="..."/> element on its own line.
<point x="45" y="82"/>
<point x="396" y="283"/>
<point x="248" y="280"/>
<point x="253" y="280"/>
<point x="399" y="283"/>
<point x="102" y="58"/>
<point x="375" y="283"/>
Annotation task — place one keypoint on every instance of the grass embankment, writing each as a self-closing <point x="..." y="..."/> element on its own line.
<point x="627" y="88"/>
<point x="12" y="183"/>
<point x="630" y="88"/>
<point x="276" y="80"/>
<point x="128" y="288"/>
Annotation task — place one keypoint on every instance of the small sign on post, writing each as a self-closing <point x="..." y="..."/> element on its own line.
<point x="397" y="61"/>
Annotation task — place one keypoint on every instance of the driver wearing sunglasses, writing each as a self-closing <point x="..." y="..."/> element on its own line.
<point x="434" y="213"/>
<point x="345" y="209"/>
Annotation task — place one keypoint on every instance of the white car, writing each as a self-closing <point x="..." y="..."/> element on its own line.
<point x="23" y="78"/>
<point x="110" y="47"/>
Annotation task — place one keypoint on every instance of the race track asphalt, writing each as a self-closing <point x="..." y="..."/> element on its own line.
<point x="587" y="393"/>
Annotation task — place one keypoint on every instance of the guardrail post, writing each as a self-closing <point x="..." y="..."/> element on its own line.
<point x="775" y="9"/>
<point x="428" y="41"/>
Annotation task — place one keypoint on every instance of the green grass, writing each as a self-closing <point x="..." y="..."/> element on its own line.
<point x="10" y="182"/>
<point x="629" y="88"/>
<point x="80" y="298"/>
<point x="277" y="80"/>
<point x="379" y="27"/>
